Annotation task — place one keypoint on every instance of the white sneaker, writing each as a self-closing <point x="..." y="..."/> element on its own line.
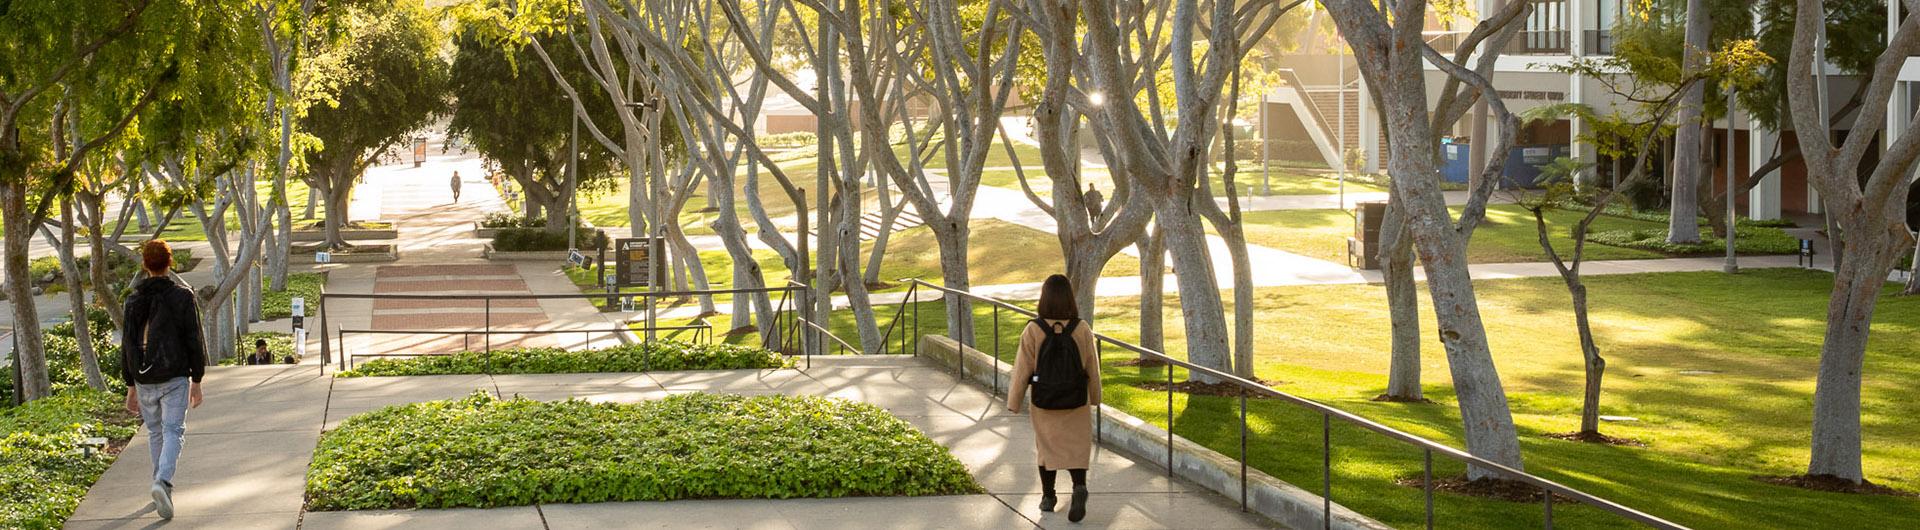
<point x="162" y="501"/>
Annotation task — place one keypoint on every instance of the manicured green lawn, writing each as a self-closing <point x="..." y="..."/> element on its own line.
<point x="1249" y="180"/>
<point x="609" y="208"/>
<point x="1756" y="336"/>
<point x="1507" y="236"/>
<point x="485" y="452"/>
<point x="1000" y="253"/>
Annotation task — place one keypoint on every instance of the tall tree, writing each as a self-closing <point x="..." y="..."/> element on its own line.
<point x="1113" y="82"/>
<point x="388" y="80"/>
<point x="1869" y="224"/>
<point x="105" y="63"/>
<point x="512" y="111"/>
<point x="1690" y="142"/>
<point x="1392" y="55"/>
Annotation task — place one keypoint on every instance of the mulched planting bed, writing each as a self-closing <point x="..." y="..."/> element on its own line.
<point x="1594" y="437"/>
<point x="1835" y="484"/>
<point x="1209" y="389"/>
<point x="1506" y="490"/>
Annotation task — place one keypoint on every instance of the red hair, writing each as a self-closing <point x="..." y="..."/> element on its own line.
<point x="156" y="256"/>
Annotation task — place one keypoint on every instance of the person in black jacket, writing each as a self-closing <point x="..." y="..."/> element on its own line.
<point x="162" y="359"/>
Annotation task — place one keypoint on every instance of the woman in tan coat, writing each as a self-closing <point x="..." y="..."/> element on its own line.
<point x="1063" y="391"/>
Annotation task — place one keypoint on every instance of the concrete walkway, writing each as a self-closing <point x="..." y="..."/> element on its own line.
<point x="439" y="254"/>
<point x="249" y="447"/>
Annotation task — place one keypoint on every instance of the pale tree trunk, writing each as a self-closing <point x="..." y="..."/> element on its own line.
<point x="31" y="353"/>
<point x="97" y="267"/>
<point x="1200" y="302"/>
<point x="1393" y="58"/>
<point x="876" y="258"/>
<point x="77" y="295"/>
<point x="1836" y="398"/>
<point x="1153" y="261"/>
<point x="1403" y="306"/>
<point x="952" y="237"/>
<point x="1683" y="224"/>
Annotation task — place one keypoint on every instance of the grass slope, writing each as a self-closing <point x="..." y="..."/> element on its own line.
<point x="1756" y="334"/>
<point x="1507" y="235"/>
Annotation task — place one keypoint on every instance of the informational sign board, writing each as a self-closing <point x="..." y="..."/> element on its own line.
<point x="636" y="259"/>
<point x="298" y="309"/>
<point x="419" y="150"/>
<point x="323" y="257"/>
<point x="575" y="258"/>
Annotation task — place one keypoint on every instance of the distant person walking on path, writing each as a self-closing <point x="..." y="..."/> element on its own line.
<point x="162" y="358"/>
<point x="1059" y="366"/>
<point x="456" y="187"/>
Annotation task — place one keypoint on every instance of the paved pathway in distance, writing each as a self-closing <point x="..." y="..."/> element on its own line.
<point x="249" y="447"/>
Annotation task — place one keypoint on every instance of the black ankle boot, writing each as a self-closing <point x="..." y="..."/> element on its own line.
<point x="1078" y="510"/>
<point x="1047" y="500"/>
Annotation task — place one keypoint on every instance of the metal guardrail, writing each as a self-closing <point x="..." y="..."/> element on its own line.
<point x="1328" y="415"/>
<point x="783" y="337"/>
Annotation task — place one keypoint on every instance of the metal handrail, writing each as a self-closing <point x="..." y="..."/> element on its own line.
<point x="1329" y="412"/>
<point x="487" y="331"/>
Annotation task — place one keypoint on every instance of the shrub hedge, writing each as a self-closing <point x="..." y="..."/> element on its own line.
<point x="537" y="240"/>
<point x="1747" y="239"/>
<point x="63" y="358"/>
<point x="43" y="475"/>
<point x="485" y="452"/>
<point x="657" y="355"/>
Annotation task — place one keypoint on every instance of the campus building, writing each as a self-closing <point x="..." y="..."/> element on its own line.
<point x="1556" y="32"/>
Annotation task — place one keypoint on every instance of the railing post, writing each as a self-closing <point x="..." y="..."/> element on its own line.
<point x="1243" y="450"/>
<point x="1549" y="495"/>
<point x="487" y="324"/>
<point x="1326" y="470"/>
<point x="326" y="346"/>
<point x="1427" y="484"/>
<point x="1169" y="420"/>
<point x="1099" y="413"/>
<point x="996" y="350"/>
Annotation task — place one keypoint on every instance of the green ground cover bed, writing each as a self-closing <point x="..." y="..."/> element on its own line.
<point x="43" y="471"/>
<point x="279" y="345"/>
<point x="1717" y="369"/>
<point x="656" y="355"/>
<point x="1746" y="240"/>
<point x="277" y="305"/>
<point x="484" y="452"/>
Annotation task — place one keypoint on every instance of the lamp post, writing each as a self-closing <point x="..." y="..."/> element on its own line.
<point x="1733" y="264"/>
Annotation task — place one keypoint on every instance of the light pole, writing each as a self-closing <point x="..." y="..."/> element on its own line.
<point x="1733" y="264"/>
<point x="573" y="170"/>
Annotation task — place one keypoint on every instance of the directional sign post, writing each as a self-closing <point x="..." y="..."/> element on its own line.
<point x="298" y="307"/>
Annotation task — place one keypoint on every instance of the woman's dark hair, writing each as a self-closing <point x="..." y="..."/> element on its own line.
<point x="1056" y="299"/>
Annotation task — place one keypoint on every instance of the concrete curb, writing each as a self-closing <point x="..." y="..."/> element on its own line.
<point x="556" y="256"/>
<point x="1284" y="503"/>
<point x="308" y="236"/>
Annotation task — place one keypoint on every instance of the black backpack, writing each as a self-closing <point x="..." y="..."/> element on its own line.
<point x="154" y="357"/>
<point x="1059" y="381"/>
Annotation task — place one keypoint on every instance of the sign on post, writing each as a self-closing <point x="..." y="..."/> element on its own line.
<point x="575" y="258"/>
<point x="298" y="308"/>
<point x="323" y="257"/>
<point x="637" y="258"/>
